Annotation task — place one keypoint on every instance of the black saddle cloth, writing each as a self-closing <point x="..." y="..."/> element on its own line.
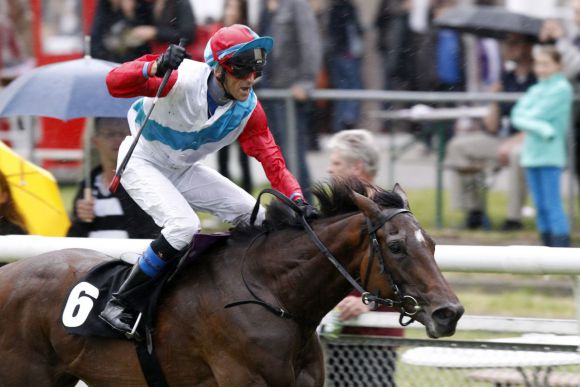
<point x="108" y="277"/>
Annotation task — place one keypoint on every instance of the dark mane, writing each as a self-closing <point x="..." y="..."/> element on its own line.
<point x="334" y="198"/>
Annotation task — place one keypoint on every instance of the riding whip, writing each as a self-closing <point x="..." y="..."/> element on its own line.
<point x="117" y="178"/>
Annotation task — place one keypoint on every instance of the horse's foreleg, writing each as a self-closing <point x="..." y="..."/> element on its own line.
<point x="310" y="367"/>
<point x="18" y="372"/>
<point x="230" y="371"/>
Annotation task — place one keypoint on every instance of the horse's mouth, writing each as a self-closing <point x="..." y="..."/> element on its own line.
<point x="442" y="322"/>
<point x="436" y="332"/>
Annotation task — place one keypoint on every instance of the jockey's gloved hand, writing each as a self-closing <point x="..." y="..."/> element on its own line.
<point x="170" y="59"/>
<point x="308" y="210"/>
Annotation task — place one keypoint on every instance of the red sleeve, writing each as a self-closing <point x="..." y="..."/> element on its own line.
<point x="257" y="141"/>
<point x="131" y="80"/>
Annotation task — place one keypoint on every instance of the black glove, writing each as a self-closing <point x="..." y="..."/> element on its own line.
<point x="171" y="59"/>
<point x="308" y="210"/>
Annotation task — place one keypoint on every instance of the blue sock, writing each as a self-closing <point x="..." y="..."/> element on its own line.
<point x="150" y="263"/>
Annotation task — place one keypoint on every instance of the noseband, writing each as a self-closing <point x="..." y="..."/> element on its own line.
<point x="407" y="305"/>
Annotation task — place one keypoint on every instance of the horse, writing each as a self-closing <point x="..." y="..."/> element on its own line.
<point x="370" y="233"/>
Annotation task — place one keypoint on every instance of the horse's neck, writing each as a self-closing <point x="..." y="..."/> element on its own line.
<point x="310" y="286"/>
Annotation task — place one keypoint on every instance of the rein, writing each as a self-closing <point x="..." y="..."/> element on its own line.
<point x="407" y="305"/>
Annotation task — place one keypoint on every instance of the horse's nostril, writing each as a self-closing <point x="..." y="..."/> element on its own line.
<point x="448" y="313"/>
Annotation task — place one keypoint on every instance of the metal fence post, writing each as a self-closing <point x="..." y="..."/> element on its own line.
<point x="576" y="285"/>
<point x="291" y="135"/>
<point x="439" y="183"/>
<point x="572" y="148"/>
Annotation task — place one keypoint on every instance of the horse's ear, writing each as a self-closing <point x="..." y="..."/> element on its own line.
<point x="366" y="205"/>
<point x="399" y="191"/>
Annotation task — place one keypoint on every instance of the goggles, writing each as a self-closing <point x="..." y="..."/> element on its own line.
<point x="247" y="63"/>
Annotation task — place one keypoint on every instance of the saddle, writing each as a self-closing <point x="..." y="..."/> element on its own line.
<point x="80" y="317"/>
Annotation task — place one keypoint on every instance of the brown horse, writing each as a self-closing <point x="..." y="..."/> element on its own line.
<point x="201" y="343"/>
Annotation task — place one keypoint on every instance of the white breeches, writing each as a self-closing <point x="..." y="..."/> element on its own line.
<point x="172" y="195"/>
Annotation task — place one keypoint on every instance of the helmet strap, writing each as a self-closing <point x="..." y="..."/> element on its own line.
<point x="216" y="90"/>
<point x="222" y="80"/>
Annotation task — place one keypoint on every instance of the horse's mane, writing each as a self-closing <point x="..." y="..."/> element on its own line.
<point x="335" y="197"/>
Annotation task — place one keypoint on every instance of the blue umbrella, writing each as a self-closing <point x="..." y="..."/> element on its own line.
<point x="65" y="90"/>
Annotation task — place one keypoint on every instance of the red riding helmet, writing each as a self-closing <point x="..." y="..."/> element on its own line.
<point x="240" y="42"/>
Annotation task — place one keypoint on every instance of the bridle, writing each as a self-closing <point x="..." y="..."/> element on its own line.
<point x="407" y="305"/>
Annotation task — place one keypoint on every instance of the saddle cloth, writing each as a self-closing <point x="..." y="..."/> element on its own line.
<point x="87" y="298"/>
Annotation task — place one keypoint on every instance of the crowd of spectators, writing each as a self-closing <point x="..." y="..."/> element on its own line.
<point x="325" y="43"/>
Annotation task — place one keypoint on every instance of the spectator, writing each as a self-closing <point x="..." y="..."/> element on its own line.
<point x="320" y="119"/>
<point x="474" y="155"/>
<point x="293" y="65"/>
<point x="344" y="57"/>
<point x="354" y="153"/>
<point x="15" y="39"/>
<point x="100" y="213"/>
<point x="126" y="29"/>
<point x="11" y="221"/>
<point x="173" y="20"/>
<point x="567" y="39"/>
<point x="236" y="12"/>
<point x="395" y="42"/>
<point x="543" y="114"/>
<point x="115" y="36"/>
<point x="448" y="53"/>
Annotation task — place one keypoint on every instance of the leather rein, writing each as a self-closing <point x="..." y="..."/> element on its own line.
<point x="407" y="305"/>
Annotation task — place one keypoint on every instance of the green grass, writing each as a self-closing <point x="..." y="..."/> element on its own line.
<point x="422" y="203"/>
<point x="523" y="302"/>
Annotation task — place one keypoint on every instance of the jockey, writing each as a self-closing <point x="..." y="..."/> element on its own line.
<point x="204" y="107"/>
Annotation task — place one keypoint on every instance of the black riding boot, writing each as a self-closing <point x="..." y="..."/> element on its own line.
<point x="116" y="313"/>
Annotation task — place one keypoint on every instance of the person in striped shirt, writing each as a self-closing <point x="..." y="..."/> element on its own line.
<point x="103" y="214"/>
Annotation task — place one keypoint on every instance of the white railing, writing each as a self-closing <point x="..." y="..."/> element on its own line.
<point x="538" y="260"/>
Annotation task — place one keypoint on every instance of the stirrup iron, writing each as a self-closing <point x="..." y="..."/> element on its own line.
<point x="133" y="334"/>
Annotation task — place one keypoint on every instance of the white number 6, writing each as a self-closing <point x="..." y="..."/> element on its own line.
<point x="79" y="304"/>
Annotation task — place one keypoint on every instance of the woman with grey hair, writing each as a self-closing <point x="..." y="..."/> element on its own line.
<point x="354" y="153"/>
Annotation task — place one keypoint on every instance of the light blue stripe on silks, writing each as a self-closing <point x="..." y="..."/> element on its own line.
<point x="224" y="125"/>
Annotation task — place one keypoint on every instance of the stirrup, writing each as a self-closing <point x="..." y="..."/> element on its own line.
<point x="133" y="335"/>
<point x="130" y="333"/>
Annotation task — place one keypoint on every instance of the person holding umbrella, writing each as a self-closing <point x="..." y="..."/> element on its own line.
<point x="100" y="213"/>
<point x="204" y="107"/>
<point x="474" y="155"/>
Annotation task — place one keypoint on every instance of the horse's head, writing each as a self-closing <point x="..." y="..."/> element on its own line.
<point x="401" y="266"/>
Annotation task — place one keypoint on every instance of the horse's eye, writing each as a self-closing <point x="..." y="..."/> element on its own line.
<point x="396" y="247"/>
